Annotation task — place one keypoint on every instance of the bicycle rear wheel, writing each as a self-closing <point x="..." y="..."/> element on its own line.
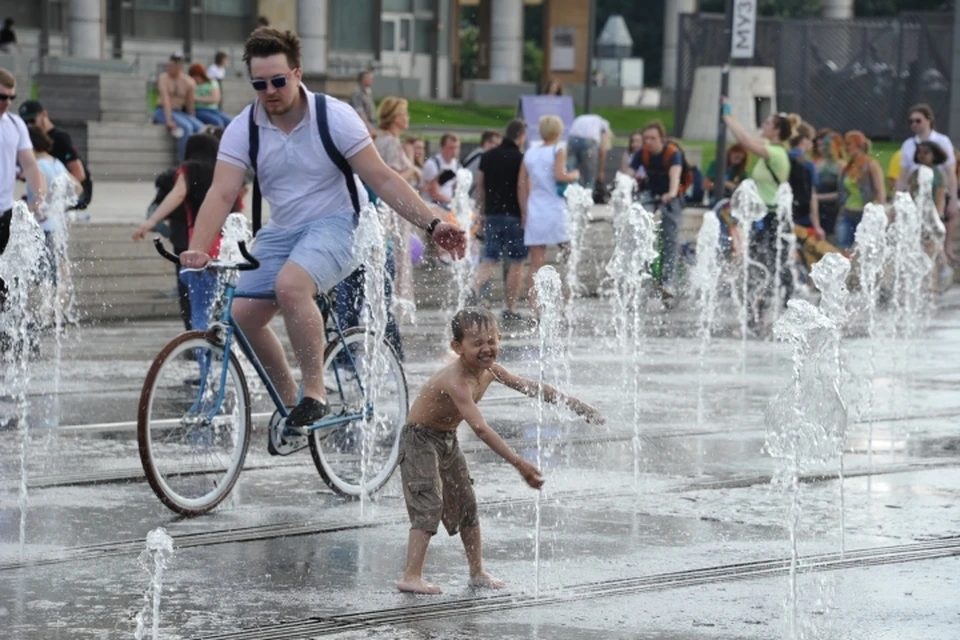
<point x="193" y="424"/>
<point x="360" y="456"/>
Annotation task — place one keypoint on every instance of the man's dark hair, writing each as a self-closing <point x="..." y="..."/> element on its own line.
<point x="362" y="74"/>
<point x="488" y="136"/>
<point x="39" y="139"/>
<point x="447" y="137"/>
<point x="219" y="58"/>
<point x="657" y="126"/>
<point x="263" y="21"/>
<point x="515" y="129"/>
<point x="266" y="42"/>
<point x="471" y="318"/>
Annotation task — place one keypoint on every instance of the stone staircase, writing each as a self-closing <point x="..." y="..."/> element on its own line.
<point x="125" y="151"/>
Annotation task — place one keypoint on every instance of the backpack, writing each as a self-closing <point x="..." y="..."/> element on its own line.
<point x="800" y="183"/>
<point x="670" y="147"/>
<point x="328" y="146"/>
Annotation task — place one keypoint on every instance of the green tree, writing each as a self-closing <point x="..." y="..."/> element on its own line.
<point x="532" y="62"/>
<point x="469" y="56"/>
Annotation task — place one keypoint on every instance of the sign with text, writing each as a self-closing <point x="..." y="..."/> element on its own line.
<point x="531" y="108"/>
<point x="744" y="33"/>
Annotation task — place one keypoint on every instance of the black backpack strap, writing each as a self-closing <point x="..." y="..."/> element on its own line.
<point x="333" y="152"/>
<point x="773" y="173"/>
<point x="257" y="203"/>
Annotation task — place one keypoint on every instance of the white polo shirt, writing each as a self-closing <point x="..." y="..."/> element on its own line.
<point x="589" y="126"/>
<point x="296" y="176"/>
<point x="14" y="138"/>
<point x="432" y="168"/>
<point x="909" y="150"/>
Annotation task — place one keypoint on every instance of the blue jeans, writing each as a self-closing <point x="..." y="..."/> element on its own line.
<point x="348" y="296"/>
<point x="185" y="121"/>
<point x="671" y="215"/>
<point x="846" y="228"/>
<point x="202" y="289"/>
<point x="582" y="156"/>
<point x="213" y="116"/>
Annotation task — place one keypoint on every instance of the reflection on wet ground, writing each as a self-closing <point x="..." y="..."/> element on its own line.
<point x="693" y="547"/>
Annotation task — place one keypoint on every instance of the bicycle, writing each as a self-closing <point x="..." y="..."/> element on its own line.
<point x="654" y="204"/>
<point x="194" y="419"/>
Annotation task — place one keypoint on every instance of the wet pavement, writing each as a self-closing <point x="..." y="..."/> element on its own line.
<point x="688" y="541"/>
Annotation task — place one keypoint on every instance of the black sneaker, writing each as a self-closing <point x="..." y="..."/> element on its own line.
<point x="510" y="316"/>
<point x="308" y="411"/>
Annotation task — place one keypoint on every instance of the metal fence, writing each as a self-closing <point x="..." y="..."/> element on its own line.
<point x="843" y="74"/>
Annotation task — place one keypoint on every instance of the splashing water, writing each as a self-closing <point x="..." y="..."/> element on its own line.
<point x="153" y="560"/>
<point x="463" y="210"/>
<point x="911" y="265"/>
<point x="622" y="196"/>
<point x="786" y="247"/>
<point x="633" y="251"/>
<point x="549" y="290"/>
<point x="369" y="247"/>
<point x="398" y="231"/>
<point x="799" y="433"/>
<point x="705" y="280"/>
<point x="20" y="266"/>
<point x="235" y="231"/>
<point x="830" y="276"/>
<point x="871" y="257"/>
<point x="747" y="207"/>
<point x="579" y="203"/>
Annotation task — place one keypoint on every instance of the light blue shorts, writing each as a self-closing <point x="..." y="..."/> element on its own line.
<point x="323" y="248"/>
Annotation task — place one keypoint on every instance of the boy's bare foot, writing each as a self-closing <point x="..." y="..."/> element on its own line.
<point x="417" y="585"/>
<point x="484" y="580"/>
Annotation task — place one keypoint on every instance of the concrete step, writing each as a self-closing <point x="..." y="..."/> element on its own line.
<point x="164" y="144"/>
<point x="137" y="117"/>
<point x="122" y="283"/>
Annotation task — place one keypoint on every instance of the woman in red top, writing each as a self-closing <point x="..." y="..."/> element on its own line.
<point x="193" y="179"/>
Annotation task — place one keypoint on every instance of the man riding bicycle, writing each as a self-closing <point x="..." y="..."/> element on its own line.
<point x="662" y="161"/>
<point x="306" y="247"/>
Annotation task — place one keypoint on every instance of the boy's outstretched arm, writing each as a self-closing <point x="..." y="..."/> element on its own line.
<point x="550" y="394"/>
<point x="471" y="413"/>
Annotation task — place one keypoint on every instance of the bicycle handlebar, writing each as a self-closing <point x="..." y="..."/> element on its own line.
<point x="250" y="264"/>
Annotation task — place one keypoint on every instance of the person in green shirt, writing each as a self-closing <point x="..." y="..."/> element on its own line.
<point x="772" y="169"/>
<point x="207" y="97"/>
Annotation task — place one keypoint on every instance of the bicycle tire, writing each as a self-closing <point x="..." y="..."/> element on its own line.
<point x="160" y="397"/>
<point x="328" y="454"/>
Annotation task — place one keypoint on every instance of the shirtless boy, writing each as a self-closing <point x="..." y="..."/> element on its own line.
<point x="436" y="482"/>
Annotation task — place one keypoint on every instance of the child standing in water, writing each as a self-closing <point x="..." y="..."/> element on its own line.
<point x="436" y="482"/>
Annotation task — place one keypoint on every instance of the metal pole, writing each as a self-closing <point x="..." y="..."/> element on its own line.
<point x="720" y="160"/>
<point x="187" y="30"/>
<point x="44" y="32"/>
<point x="591" y="28"/>
<point x="116" y="6"/>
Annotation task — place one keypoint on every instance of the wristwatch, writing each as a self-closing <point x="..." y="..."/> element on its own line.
<point x="432" y="226"/>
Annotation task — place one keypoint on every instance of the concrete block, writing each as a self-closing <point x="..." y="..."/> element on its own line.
<point x="496" y="94"/>
<point x="396" y="86"/>
<point x="599" y="96"/>
<point x="753" y="95"/>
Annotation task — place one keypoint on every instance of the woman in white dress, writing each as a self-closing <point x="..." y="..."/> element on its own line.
<point x="543" y="175"/>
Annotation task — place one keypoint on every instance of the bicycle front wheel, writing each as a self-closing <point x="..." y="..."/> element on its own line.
<point x="193" y="424"/>
<point x="359" y="455"/>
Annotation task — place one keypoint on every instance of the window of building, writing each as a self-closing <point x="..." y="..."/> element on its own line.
<point x="423" y="6"/>
<point x="227" y="7"/>
<point x="388" y="35"/>
<point x="351" y="26"/>
<point x="423" y="36"/>
<point x="397" y="6"/>
<point x="405" y="28"/>
<point x="159" y="5"/>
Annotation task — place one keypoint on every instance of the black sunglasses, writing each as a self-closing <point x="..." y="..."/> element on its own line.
<point x="916" y="120"/>
<point x="278" y="82"/>
<point x="4" y="97"/>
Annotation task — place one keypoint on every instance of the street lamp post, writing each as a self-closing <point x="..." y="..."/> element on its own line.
<point x="591" y="30"/>
<point x="720" y="160"/>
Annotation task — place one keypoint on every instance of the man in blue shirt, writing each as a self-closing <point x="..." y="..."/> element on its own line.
<point x="662" y="161"/>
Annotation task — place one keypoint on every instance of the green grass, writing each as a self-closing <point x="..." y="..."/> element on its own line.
<point x="623" y="120"/>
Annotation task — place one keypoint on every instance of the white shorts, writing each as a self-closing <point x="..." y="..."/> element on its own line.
<point x="323" y="248"/>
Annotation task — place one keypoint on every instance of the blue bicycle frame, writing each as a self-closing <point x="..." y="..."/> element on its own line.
<point x="233" y="331"/>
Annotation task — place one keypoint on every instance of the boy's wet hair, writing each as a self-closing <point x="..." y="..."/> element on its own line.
<point x="471" y="318"/>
